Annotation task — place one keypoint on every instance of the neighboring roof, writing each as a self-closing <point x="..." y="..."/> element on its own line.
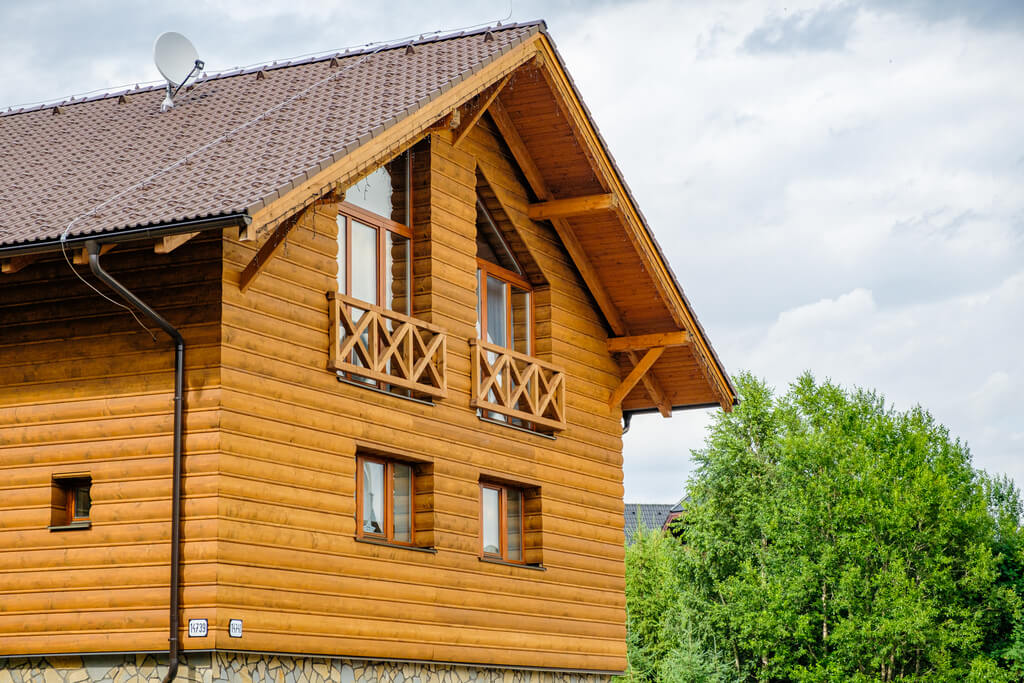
<point x="124" y="155"/>
<point x="647" y="515"/>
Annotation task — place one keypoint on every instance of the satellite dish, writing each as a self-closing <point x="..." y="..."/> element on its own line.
<point x="177" y="61"/>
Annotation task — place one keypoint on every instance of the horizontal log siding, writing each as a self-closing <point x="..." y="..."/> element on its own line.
<point x="84" y="389"/>
<point x="289" y="564"/>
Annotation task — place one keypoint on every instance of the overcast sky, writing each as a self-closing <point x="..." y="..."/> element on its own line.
<point x="838" y="186"/>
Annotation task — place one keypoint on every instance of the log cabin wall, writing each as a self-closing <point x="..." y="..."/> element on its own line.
<point x="289" y="563"/>
<point x="83" y="389"/>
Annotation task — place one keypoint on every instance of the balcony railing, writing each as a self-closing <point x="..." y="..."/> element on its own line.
<point x="517" y="388"/>
<point x="386" y="348"/>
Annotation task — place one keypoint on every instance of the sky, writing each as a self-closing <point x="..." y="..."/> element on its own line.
<point x="838" y="186"/>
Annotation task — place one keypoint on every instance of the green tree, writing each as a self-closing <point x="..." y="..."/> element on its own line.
<point x="832" y="538"/>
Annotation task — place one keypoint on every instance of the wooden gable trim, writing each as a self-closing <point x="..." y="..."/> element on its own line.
<point x="485" y="98"/>
<point x="576" y="252"/>
<point x="390" y="141"/>
<point x="549" y="65"/>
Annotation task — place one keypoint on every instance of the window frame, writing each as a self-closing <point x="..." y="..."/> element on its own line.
<point x="382" y="226"/>
<point x="63" y="510"/>
<point x="503" y="555"/>
<point x="484" y="269"/>
<point x="389" y="501"/>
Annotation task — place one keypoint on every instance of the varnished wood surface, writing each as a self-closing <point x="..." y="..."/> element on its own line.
<point x="84" y="389"/>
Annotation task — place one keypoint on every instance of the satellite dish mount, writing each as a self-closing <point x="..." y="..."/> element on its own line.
<point x="177" y="61"/>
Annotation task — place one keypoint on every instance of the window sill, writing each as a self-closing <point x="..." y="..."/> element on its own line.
<point x="400" y="546"/>
<point x="534" y="567"/>
<point x="364" y="385"/>
<point x="503" y="423"/>
<point x="74" y="526"/>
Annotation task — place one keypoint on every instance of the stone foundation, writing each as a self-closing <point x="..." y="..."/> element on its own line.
<point x="250" y="668"/>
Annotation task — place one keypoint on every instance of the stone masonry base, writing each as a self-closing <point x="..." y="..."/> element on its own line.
<point x="251" y="668"/>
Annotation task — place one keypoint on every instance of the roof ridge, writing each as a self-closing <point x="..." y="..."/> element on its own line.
<point x="368" y="48"/>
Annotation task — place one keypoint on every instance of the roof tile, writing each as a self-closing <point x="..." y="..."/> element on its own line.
<point x="116" y="162"/>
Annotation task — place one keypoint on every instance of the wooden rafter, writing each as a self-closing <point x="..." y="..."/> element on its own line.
<point x="573" y="206"/>
<point x="81" y="256"/>
<point x="168" y="244"/>
<point x="648" y="341"/>
<point x="579" y="256"/>
<point x="16" y="263"/>
<point x="634" y="376"/>
<point x="484" y="99"/>
<point x="270" y="247"/>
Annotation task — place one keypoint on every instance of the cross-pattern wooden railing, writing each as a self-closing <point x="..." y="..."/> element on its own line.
<point x="517" y="386"/>
<point x="389" y="348"/>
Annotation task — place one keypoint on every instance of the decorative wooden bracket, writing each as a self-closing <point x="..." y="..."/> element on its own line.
<point x="641" y="368"/>
<point x="16" y="263"/>
<point x="484" y="101"/>
<point x="168" y="244"/>
<point x="270" y="247"/>
<point x="449" y="121"/>
<point x="574" y="206"/>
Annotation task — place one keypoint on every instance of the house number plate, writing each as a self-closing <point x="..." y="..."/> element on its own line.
<point x="197" y="628"/>
<point x="235" y="628"/>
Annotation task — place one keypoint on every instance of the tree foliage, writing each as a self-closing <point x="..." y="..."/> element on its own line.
<point x="832" y="538"/>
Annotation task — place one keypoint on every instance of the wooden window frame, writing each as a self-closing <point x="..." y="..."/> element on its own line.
<point x="382" y="225"/>
<point x="63" y="514"/>
<point x="485" y="268"/>
<point x="503" y="490"/>
<point x="389" y="501"/>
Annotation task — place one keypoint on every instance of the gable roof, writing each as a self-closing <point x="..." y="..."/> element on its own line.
<point x="259" y="145"/>
<point x="232" y="144"/>
<point x="644" y="515"/>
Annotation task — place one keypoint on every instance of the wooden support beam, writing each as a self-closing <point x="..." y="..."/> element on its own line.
<point x="16" y="263"/>
<point x="574" y="206"/>
<point x="485" y="98"/>
<point x="449" y="121"/>
<point x="81" y="256"/>
<point x="168" y="244"/>
<point x="638" y="371"/>
<point x="648" y="341"/>
<point x="518" y="148"/>
<point x="269" y="248"/>
<point x="565" y="233"/>
<point x="653" y="387"/>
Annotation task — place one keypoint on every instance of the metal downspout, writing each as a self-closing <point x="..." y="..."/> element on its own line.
<point x="93" y="248"/>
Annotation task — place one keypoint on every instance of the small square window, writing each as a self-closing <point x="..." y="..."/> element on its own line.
<point x="71" y="502"/>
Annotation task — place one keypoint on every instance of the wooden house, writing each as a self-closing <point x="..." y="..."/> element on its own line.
<point x="408" y="301"/>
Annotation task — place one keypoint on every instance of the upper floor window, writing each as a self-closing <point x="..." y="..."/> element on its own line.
<point x="504" y="295"/>
<point x="375" y="238"/>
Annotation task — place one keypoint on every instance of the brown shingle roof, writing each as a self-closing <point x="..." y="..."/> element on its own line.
<point x="143" y="167"/>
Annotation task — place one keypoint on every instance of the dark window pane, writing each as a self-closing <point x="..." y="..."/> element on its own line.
<point x="403" y="503"/>
<point x="342" y="253"/>
<point x="513" y="524"/>
<point x="82" y="502"/>
<point x="373" y="497"/>
<point x="491" y="521"/>
<point x="521" y="320"/>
